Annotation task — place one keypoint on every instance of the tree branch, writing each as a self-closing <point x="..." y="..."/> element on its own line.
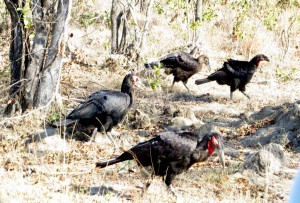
<point x="145" y="29"/>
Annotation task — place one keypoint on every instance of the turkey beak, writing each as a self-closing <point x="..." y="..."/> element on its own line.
<point x="220" y="151"/>
<point x="264" y="59"/>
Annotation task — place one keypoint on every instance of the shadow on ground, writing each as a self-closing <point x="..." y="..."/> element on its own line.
<point x="102" y="190"/>
<point x="192" y="97"/>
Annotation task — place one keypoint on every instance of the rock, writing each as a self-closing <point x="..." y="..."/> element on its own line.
<point x="141" y="120"/>
<point x="276" y="150"/>
<point x="207" y="129"/>
<point x="143" y="133"/>
<point x="262" y="162"/>
<point x="263" y="113"/>
<point x="296" y="141"/>
<point x="169" y="110"/>
<point x="283" y="126"/>
<point x="296" y="110"/>
<point x="280" y="138"/>
<point x="184" y="119"/>
<point x="181" y="122"/>
<point x="267" y="160"/>
<point x="179" y="113"/>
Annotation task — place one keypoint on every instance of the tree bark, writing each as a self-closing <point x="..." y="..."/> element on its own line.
<point x="145" y="29"/>
<point x="115" y="19"/>
<point x="40" y="66"/>
<point x="198" y="12"/>
<point x="52" y="68"/>
<point x="16" y="45"/>
<point x="119" y="26"/>
<point x="41" y="16"/>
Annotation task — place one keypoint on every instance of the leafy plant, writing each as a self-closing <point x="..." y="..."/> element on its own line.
<point x="159" y="8"/>
<point x="27" y="16"/>
<point x="195" y="24"/>
<point x="154" y="81"/>
<point x="208" y="15"/>
<point x="286" y="75"/>
<point x="270" y="21"/>
<point x="177" y="4"/>
<point x="88" y="19"/>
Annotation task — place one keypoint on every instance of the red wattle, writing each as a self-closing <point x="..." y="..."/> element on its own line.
<point x="210" y="148"/>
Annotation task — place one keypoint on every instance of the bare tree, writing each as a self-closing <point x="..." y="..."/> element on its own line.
<point x="36" y="66"/>
<point x="119" y="28"/>
<point x="198" y="12"/>
<point x="124" y="21"/>
<point x="146" y="24"/>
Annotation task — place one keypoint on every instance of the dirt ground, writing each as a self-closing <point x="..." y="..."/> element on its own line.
<point x="57" y="169"/>
<point x="61" y="169"/>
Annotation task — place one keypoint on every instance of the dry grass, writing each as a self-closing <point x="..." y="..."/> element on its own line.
<point x="62" y="170"/>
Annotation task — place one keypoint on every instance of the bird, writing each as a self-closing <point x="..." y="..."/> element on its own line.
<point x="104" y="109"/>
<point x="181" y="65"/>
<point x="170" y="153"/>
<point x="236" y="74"/>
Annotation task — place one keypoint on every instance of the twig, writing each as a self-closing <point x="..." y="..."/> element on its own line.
<point x="134" y="20"/>
<point x="93" y="135"/>
<point x="285" y="38"/>
<point x="145" y="29"/>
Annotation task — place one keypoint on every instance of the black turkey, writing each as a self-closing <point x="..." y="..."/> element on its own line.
<point x="105" y="109"/>
<point x="236" y="74"/>
<point x="170" y="153"/>
<point x="181" y="65"/>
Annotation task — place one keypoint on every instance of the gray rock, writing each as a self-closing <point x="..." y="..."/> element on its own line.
<point x="280" y="138"/>
<point x="207" y="129"/>
<point x="169" y="110"/>
<point x="296" y="110"/>
<point x="143" y="133"/>
<point x="262" y="162"/>
<point x="296" y="140"/>
<point x="184" y="119"/>
<point x="276" y="150"/>
<point x="141" y="120"/>
<point x="266" y="161"/>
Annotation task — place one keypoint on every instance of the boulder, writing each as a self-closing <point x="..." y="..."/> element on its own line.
<point x="266" y="161"/>
<point x="284" y="127"/>
<point x="140" y="119"/>
<point x="184" y="118"/>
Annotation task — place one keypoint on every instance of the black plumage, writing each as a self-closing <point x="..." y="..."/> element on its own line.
<point x="236" y="74"/>
<point x="104" y="109"/>
<point x="181" y="65"/>
<point x="171" y="153"/>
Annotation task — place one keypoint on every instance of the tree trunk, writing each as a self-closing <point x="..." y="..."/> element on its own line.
<point x="119" y="18"/>
<point x="41" y="71"/>
<point x="198" y="18"/>
<point x="115" y="16"/>
<point x="51" y="70"/>
<point x="16" y="46"/>
<point x="198" y="12"/>
<point x="145" y="29"/>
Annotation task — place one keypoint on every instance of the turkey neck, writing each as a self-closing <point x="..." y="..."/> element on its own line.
<point x="128" y="89"/>
<point x="254" y="62"/>
<point x="198" y="69"/>
<point x="201" y="153"/>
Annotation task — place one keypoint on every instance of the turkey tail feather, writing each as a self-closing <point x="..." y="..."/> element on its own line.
<point x="202" y="81"/>
<point x="103" y="164"/>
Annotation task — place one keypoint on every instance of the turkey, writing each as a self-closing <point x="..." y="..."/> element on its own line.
<point x="181" y="65"/>
<point x="236" y="74"/>
<point x="171" y="153"/>
<point x="105" y="109"/>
